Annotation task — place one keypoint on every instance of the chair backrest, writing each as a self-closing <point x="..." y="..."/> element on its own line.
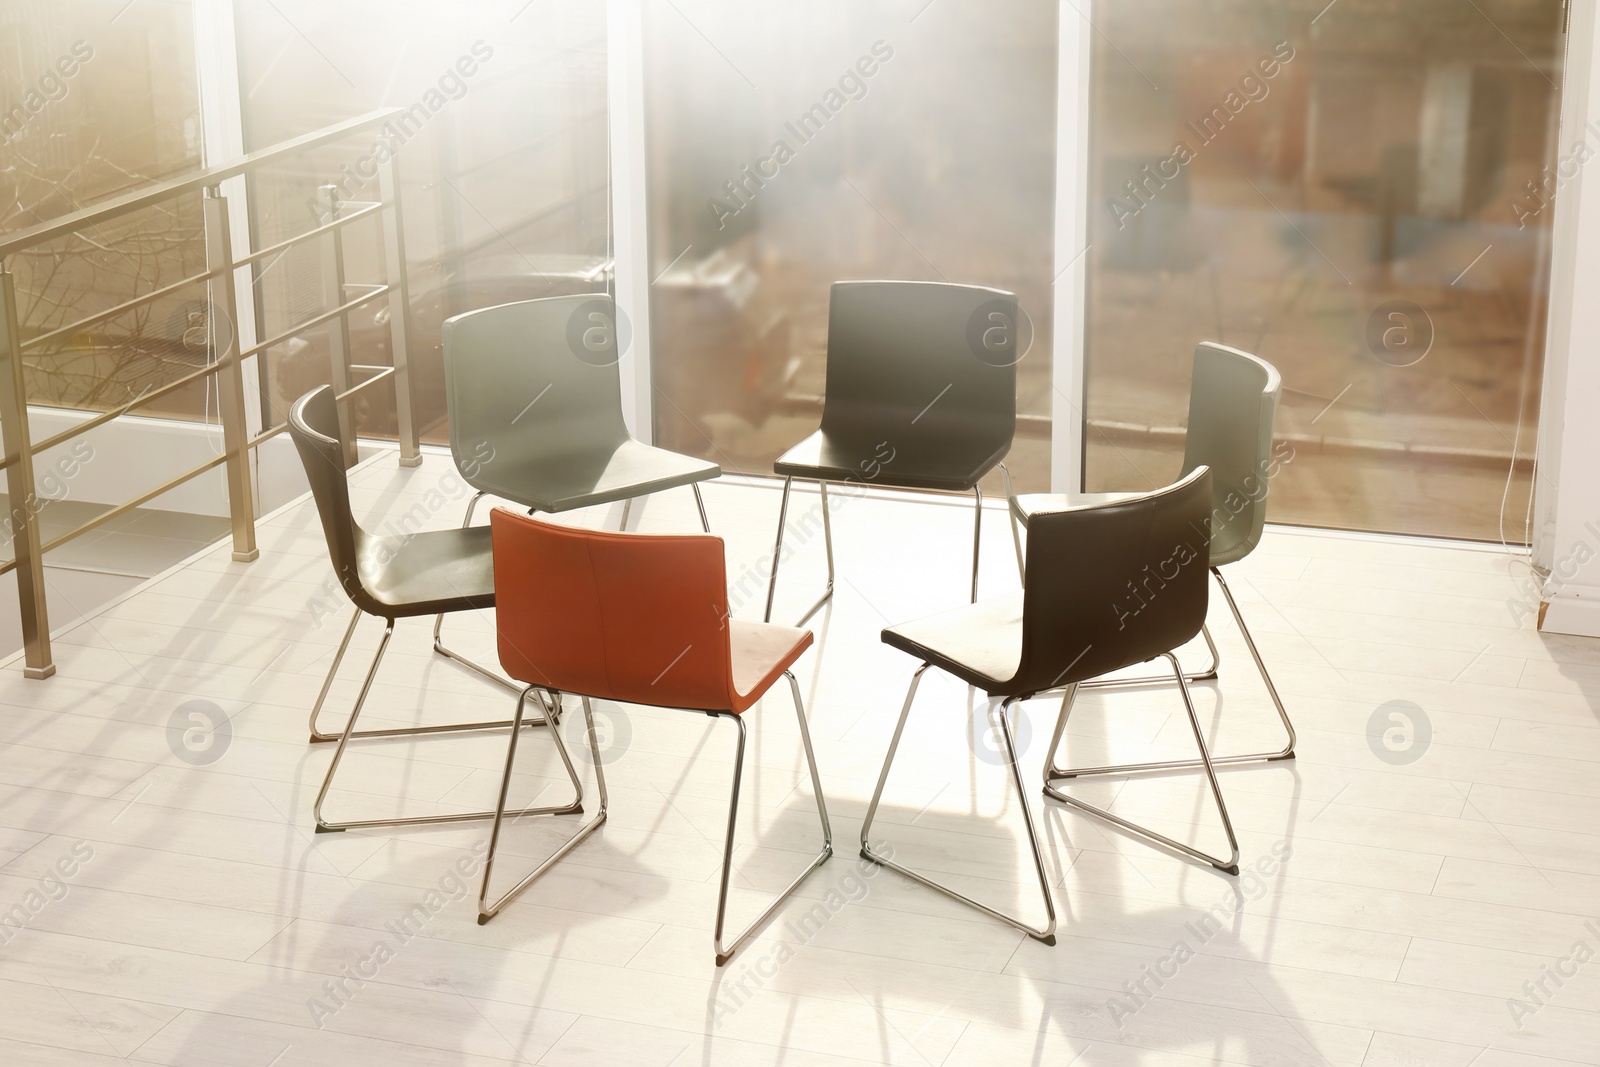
<point x="532" y="381"/>
<point x="921" y="360"/>
<point x="640" y="618"/>
<point x="314" y="426"/>
<point x="1232" y="402"/>
<point x="1115" y="584"/>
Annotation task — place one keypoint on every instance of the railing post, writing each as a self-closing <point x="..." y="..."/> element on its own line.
<point x="339" y="333"/>
<point x="37" y="661"/>
<point x="230" y="375"/>
<point x="394" y="253"/>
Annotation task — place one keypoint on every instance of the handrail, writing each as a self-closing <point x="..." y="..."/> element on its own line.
<point x="315" y="321"/>
<point x="6" y="566"/>
<point x="113" y="312"/>
<point x="227" y="357"/>
<point x="149" y="395"/>
<point x="285" y="245"/>
<point x="138" y="501"/>
<point x="210" y="176"/>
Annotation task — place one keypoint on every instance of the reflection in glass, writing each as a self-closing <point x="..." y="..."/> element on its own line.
<point x="796" y="144"/>
<point x="1346" y="195"/>
<point x="502" y="156"/>
<point x="73" y="136"/>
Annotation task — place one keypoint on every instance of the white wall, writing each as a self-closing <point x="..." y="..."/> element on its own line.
<point x="1567" y="491"/>
<point x="131" y="455"/>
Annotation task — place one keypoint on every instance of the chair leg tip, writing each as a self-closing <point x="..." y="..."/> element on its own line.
<point x="1048" y="939"/>
<point x="482" y="918"/>
<point x="1284" y="756"/>
<point x="1234" y="870"/>
<point x="323" y="828"/>
<point x="723" y="958"/>
<point x="1209" y="676"/>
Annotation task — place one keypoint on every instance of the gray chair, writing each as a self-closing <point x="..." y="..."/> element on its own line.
<point x="921" y="393"/>
<point x="535" y="401"/>
<point x="1065" y="628"/>
<point x="1232" y="401"/>
<point x="391" y="577"/>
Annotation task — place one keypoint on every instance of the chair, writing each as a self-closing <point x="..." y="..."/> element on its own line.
<point x="391" y="577"/>
<point x="921" y="394"/>
<point x="1231" y="406"/>
<point x="1074" y="619"/>
<point x="535" y="403"/>
<point x="641" y="619"/>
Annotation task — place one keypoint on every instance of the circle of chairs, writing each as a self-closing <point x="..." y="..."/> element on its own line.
<point x="920" y="394"/>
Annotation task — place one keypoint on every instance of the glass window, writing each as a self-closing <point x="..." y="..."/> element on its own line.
<point x="96" y="106"/>
<point x="1358" y="193"/>
<point x="502" y="157"/>
<point x="795" y="144"/>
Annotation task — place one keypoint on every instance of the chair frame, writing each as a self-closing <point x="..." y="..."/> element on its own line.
<point x="998" y="714"/>
<point x="317" y="438"/>
<point x="724" y="952"/>
<point x="319" y="736"/>
<point x="575" y="806"/>
<point x="343" y="737"/>
<point x="1028" y="683"/>
<point x="1207" y="675"/>
<point x="827" y="537"/>
<point x="1285" y="753"/>
<point x="1053" y="774"/>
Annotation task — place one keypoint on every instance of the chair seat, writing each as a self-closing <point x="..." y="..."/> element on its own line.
<point x="761" y="653"/>
<point x="1025" y="505"/>
<point x="430" y="572"/>
<point x="930" y="460"/>
<point x="555" y="484"/>
<point x="979" y="643"/>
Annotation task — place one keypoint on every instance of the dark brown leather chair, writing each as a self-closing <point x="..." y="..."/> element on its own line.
<point x="1233" y="397"/>
<point x="1089" y="606"/>
<point x="391" y="577"/>
<point x="921" y="394"/>
<point x="641" y="619"/>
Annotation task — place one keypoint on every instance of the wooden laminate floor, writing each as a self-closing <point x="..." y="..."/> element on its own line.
<point x="1420" y="889"/>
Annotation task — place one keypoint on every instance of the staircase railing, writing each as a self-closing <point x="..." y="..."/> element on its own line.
<point x="225" y="357"/>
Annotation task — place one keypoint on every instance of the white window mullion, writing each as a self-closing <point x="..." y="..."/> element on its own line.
<point x="630" y="234"/>
<point x="1071" y="245"/>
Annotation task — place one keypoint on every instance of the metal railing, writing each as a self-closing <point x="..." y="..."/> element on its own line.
<point x="226" y="357"/>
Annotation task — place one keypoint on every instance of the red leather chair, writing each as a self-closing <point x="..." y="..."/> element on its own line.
<point x="640" y="619"/>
